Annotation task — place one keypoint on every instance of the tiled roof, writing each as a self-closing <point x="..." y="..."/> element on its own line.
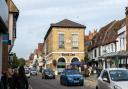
<point x="67" y="23"/>
<point x="64" y="24"/>
<point x="107" y="34"/>
<point x="13" y="8"/>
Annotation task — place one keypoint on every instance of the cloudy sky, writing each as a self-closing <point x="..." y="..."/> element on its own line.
<point x="37" y="15"/>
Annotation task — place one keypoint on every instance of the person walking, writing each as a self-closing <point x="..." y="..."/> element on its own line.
<point x="10" y="78"/>
<point x="22" y="81"/>
<point x="15" y="78"/>
<point x="4" y="80"/>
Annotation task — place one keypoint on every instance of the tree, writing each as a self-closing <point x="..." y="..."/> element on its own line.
<point x="14" y="62"/>
<point x="21" y="62"/>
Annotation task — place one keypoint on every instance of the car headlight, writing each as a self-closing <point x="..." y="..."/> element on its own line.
<point x="117" y="87"/>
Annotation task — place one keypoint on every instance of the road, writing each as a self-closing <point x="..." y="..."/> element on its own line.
<point x="37" y="83"/>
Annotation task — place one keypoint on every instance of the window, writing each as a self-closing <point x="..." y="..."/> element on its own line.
<point x="95" y="53"/>
<point x="112" y="47"/>
<point x="105" y="75"/>
<point x="123" y="42"/>
<point x="61" y="40"/>
<point x="99" y="51"/>
<point x="74" y="41"/>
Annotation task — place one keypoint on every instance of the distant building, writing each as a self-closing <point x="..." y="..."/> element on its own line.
<point x="88" y="39"/>
<point x="38" y="57"/>
<point x="64" y="43"/>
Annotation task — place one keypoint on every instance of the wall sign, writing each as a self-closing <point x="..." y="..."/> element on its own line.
<point x="68" y="54"/>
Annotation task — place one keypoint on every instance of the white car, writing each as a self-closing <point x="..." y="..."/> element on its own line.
<point x="27" y="72"/>
<point x="113" y="78"/>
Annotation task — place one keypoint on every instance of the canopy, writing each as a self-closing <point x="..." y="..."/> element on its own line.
<point x="77" y="63"/>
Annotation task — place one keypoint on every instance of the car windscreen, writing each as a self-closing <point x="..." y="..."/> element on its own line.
<point x="71" y="72"/>
<point x="119" y="75"/>
<point x="33" y="69"/>
<point x="26" y="71"/>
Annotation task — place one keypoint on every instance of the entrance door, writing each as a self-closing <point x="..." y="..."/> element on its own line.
<point x="61" y="65"/>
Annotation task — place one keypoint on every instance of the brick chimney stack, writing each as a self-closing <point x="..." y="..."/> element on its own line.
<point x="126" y="12"/>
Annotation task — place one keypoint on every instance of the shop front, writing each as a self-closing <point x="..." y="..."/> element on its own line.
<point x="59" y="61"/>
<point x="115" y="60"/>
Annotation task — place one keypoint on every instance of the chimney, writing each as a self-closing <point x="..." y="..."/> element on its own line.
<point x="126" y="13"/>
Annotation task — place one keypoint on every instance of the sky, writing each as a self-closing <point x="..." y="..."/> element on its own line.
<point x="36" y="16"/>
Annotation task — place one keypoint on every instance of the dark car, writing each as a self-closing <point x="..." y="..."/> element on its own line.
<point x="48" y="74"/>
<point x="71" y="77"/>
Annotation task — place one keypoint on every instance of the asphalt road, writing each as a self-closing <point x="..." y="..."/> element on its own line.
<point x="37" y="83"/>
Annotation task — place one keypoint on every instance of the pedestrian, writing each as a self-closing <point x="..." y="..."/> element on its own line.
<point x="10" y="78"/>
<point x="15" y="78"/>
<point x="22" y="81"/>
<point x="4" y="80"/>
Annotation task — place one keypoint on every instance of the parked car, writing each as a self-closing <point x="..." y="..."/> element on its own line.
<point x="27" y="72"/>
<point x="48" y="74"/>
<point x="33" y="71"/>
<point x="113" y="78"/>
<point x="71" y="77"/>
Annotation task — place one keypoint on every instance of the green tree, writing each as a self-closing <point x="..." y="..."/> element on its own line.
<point x="21" y="62"/>
<point x="15" y="61"/>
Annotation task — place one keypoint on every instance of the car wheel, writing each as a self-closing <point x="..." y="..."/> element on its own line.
<point x="61" y="82"/>
<point x="42" y="77"/>
<point x="96" y="87"/>
<point x="54" y="77"/>
<point x="82" y="84"/>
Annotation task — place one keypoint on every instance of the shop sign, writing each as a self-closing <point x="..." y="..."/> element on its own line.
<point x="68" y="54"/>
<point x="6" y="38"/>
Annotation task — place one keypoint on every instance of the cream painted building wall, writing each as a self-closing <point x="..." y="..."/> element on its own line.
<point x="53" y="52"/>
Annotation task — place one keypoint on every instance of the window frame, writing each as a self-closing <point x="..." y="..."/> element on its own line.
<point x="76" y="41"/>
<point x="61" y="42"/>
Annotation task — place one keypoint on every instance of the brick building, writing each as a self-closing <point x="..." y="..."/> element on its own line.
<point x="64" y="43"/>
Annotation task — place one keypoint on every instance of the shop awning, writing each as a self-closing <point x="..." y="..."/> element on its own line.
<point x="115" y="54"/>
<point x="77" y="63"/>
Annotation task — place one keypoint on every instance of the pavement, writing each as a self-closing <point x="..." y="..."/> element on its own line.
<point x="91" y="81"/>
<point x="36" y="82"/>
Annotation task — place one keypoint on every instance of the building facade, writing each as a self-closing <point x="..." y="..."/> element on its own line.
<point x="64" y="43"/>
<point x="7" y="8"/>
<point x="3" y="27"/>
<point x="108" y="47"/>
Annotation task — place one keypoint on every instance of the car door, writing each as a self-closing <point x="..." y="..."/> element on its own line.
<point x="104" y="81"/>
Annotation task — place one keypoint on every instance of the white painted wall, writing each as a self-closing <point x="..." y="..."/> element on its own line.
<point x="10" y="27"/>
<point x="121" y="44"/>
<point x="102" y="49"/>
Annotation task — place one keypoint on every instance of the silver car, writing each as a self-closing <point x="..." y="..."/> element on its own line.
<point x="113" y="78"/>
